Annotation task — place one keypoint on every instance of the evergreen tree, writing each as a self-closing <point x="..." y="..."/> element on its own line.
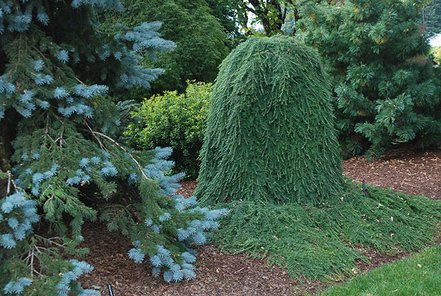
<point x="386" y="93"/>
<point x="271" y="152"/>
<point x="432" y="17"/>
<point x="58" y="72"/>
<point x="201" y="43"/>
<point x="227" y="12"/>
<point x="270" y="133"/>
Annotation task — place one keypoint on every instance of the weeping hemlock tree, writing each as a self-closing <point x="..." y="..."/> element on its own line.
<point x="58" y="124"/>
<point x="386" y="93"/>
<point x="270" y="148"/>
<point x="270" y="133"/>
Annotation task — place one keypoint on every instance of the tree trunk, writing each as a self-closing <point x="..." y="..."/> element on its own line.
<point x="8" y="131"/>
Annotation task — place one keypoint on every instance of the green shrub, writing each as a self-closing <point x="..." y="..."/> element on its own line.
<point x="271" y="153"/>
<point x="174" y="120"/>
<point x="270" y="133"/>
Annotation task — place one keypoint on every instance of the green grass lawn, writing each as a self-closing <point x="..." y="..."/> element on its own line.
<point x="417" y="275"/>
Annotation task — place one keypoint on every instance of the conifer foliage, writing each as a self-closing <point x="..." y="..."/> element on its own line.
<point x="199" y="36"/>
<point x="432" y="17"/>
<point x="58" y="130"/>
<point x="271" y="152"/>
<point x="386" y="93"/>
<point x="270" y="133"/>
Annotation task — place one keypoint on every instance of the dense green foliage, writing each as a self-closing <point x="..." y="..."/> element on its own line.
<point x="270" y="152"/>
<point x="201" y="43"/>
<point x="58" y="126"/>
<point x="319" y="241"/>
<point x="228" y="14"/>
<point x="383" y="80"/>
<point x="270" y="149"/>
<point x="432" y="17"/>
<point x="270" y="133"/>
<point x="174" y="120"/>
<point x="416" y="275"/>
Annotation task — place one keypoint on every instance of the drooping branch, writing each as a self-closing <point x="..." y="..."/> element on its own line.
<point x="140" y="168"/>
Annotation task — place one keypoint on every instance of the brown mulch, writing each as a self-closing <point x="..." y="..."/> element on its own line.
<point x="187" y="188"/>
<point x="224" y="274"/>
<point x="217" y="273"/>
<point x="413" y="173"/>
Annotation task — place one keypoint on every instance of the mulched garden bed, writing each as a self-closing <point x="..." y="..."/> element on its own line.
<point x="413" y="173"/>
<point x="225" y="274"/>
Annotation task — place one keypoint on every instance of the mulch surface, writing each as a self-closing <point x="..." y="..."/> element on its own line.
<point x="225" y="274"/>
<point x="218" y="274"/>
<point x="413" y="173"/>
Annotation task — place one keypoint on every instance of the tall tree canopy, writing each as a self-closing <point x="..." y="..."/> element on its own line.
<point x="270" y="13"/>
<point x="229" y="15"/>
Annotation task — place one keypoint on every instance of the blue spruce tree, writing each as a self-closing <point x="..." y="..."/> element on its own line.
<point x="59" y="129"/>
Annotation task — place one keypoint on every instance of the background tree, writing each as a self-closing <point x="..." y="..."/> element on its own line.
<point x="230" y="16"/>
<point x="270" y="14"/>
<point x="201" y="42"/>
<point x="385" y="90"/>
<point x="432" y="17"/>
<point x="58" y="73"/>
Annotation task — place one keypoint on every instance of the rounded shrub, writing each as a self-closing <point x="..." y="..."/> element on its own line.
<point x="174" y="120"/>
<point x="270" y="133"/>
